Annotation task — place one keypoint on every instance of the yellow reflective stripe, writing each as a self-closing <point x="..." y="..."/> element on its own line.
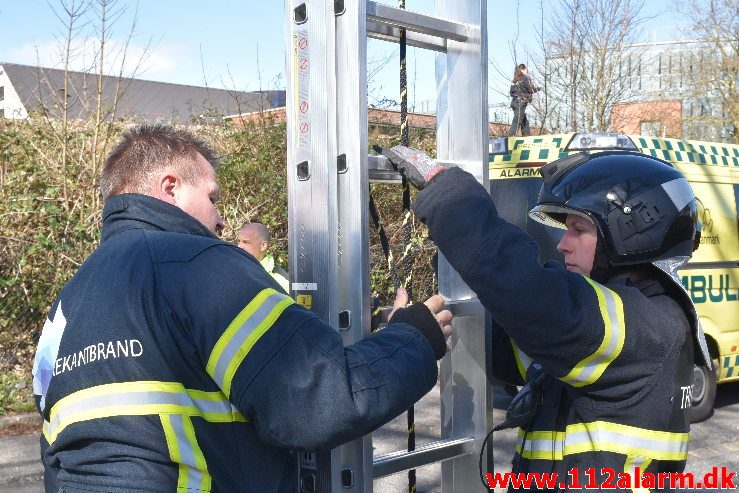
<point x="522" y="360"/>
<point x="590" y="369"/>
<point x="630" y="466"/>
<point x="185" y="451"/>
<point x="138" y="399"/>
<point x="241" y="335"/>
<point x="603" y="436"/>
<point x="173" y="446"/>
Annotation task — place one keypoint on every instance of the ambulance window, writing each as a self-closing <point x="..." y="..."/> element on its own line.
<point x="514" y="198"/>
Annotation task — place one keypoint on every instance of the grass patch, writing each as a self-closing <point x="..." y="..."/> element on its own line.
<point x="16" y="393"/>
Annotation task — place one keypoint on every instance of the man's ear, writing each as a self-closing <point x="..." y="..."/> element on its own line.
<point x="166" y="188"/>
<point x="263" y="246"/>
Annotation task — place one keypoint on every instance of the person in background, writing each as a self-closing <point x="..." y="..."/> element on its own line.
<point x="254" y="238"/>
<point x="171" y="361"/>
<point x="522" y="93"/>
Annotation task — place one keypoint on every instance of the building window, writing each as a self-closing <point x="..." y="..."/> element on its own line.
<point x="2" y="93"/>
<point x="651" y="128"/>
<point x="2" y="112"/>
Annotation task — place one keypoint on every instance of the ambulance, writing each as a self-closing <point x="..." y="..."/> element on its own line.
<point x="711" y="277"/>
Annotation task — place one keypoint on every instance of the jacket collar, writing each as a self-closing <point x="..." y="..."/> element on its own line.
<point x="135" y="211"/>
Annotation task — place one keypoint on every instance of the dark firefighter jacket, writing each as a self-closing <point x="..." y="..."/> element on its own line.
<point x="172" y="361"/>
<point x="620" y="355"/>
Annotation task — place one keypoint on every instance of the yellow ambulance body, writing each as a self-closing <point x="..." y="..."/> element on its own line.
<point x="711" y="277"/>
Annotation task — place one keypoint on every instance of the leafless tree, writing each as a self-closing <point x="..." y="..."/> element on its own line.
<point x="585" y="50"/>
<point x="545" y="106"/>
<point x="713" y="70"/>
<point x="71" y="15"/>
<point x="89" y="23"/>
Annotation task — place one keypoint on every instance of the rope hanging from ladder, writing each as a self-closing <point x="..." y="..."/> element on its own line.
<point x="406" y="259"/>
<point x="402" y="274"/>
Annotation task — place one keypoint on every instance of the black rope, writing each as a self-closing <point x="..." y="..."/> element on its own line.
<point x="406" y="259"/>
<point x="380" y="230"/>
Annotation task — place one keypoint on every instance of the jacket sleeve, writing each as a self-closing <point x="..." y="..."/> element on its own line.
<point x="508" y="364"/>
<point x="557" y="318"/>
<point x="287" y="371"/>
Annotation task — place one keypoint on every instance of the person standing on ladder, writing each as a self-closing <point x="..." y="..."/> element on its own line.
<point x="171" y="361"/>
<point x="254" y="238"/>
<point x="605" y="343"/>
<point x="522" y="93"/>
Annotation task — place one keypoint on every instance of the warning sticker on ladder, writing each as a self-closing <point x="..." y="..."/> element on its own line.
<point x="301" y="60"/>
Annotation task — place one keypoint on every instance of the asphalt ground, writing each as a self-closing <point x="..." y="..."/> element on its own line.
<point x="714" y="443"/>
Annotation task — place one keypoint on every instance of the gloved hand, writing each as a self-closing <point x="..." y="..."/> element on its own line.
<point x="416" y="166"/>
<point x="427" y="317"/>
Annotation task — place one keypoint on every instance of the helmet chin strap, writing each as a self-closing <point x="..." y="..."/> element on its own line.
<point x="602" y="269"/>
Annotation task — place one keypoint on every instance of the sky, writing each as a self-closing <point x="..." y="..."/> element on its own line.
<point x="240" y="44"/>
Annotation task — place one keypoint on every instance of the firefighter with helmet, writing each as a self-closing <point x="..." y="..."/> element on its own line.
<point x="607" y="341"/>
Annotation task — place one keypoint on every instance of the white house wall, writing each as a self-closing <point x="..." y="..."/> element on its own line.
<point x="11" y="103"/>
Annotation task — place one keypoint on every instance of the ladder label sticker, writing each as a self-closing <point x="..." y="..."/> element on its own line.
<point x="301" y="60"/>
<point x="305" y="300"/>
<point x="305" y="286"/>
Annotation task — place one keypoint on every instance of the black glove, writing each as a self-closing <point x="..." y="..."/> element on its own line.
<point x="413" y="164"/>
<point x="420" y="317"/>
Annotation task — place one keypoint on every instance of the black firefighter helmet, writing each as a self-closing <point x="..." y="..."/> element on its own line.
<point x="643" y="207"/>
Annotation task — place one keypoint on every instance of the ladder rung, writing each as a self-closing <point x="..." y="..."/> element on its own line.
<point x="465" y="308"/>
<point x="386" y="32"/>
<point x="395" y="462"/>
<point x="380" y="170"/>
<point x="415" y="22"/>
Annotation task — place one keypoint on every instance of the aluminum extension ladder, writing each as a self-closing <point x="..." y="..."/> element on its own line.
<point x="329" y="172"/>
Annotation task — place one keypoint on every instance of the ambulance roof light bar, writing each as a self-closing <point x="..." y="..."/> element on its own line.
<point x="600" y="141"/>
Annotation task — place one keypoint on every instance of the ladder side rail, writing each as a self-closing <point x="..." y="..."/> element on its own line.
<point x="311" y="172"/>
<point x="462" y="127"/>
<point x="353" y="215"/>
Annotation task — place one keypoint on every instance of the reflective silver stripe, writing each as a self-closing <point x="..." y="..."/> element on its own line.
<point x="625" y="440"/>
<point x="144" y="399"/>
<point x="543" y="445"/>
<point x="138" y="399"/>
<point x="242" y="333"/>
<point x="601" y="436"/>
<point x="187" y="454"/>
<point x="602" y="358"/>
<point x="522" y="360"/>
<point x="591" y="368"/>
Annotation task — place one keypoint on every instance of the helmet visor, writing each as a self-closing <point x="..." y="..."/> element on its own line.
<point x="555" y="215"/>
